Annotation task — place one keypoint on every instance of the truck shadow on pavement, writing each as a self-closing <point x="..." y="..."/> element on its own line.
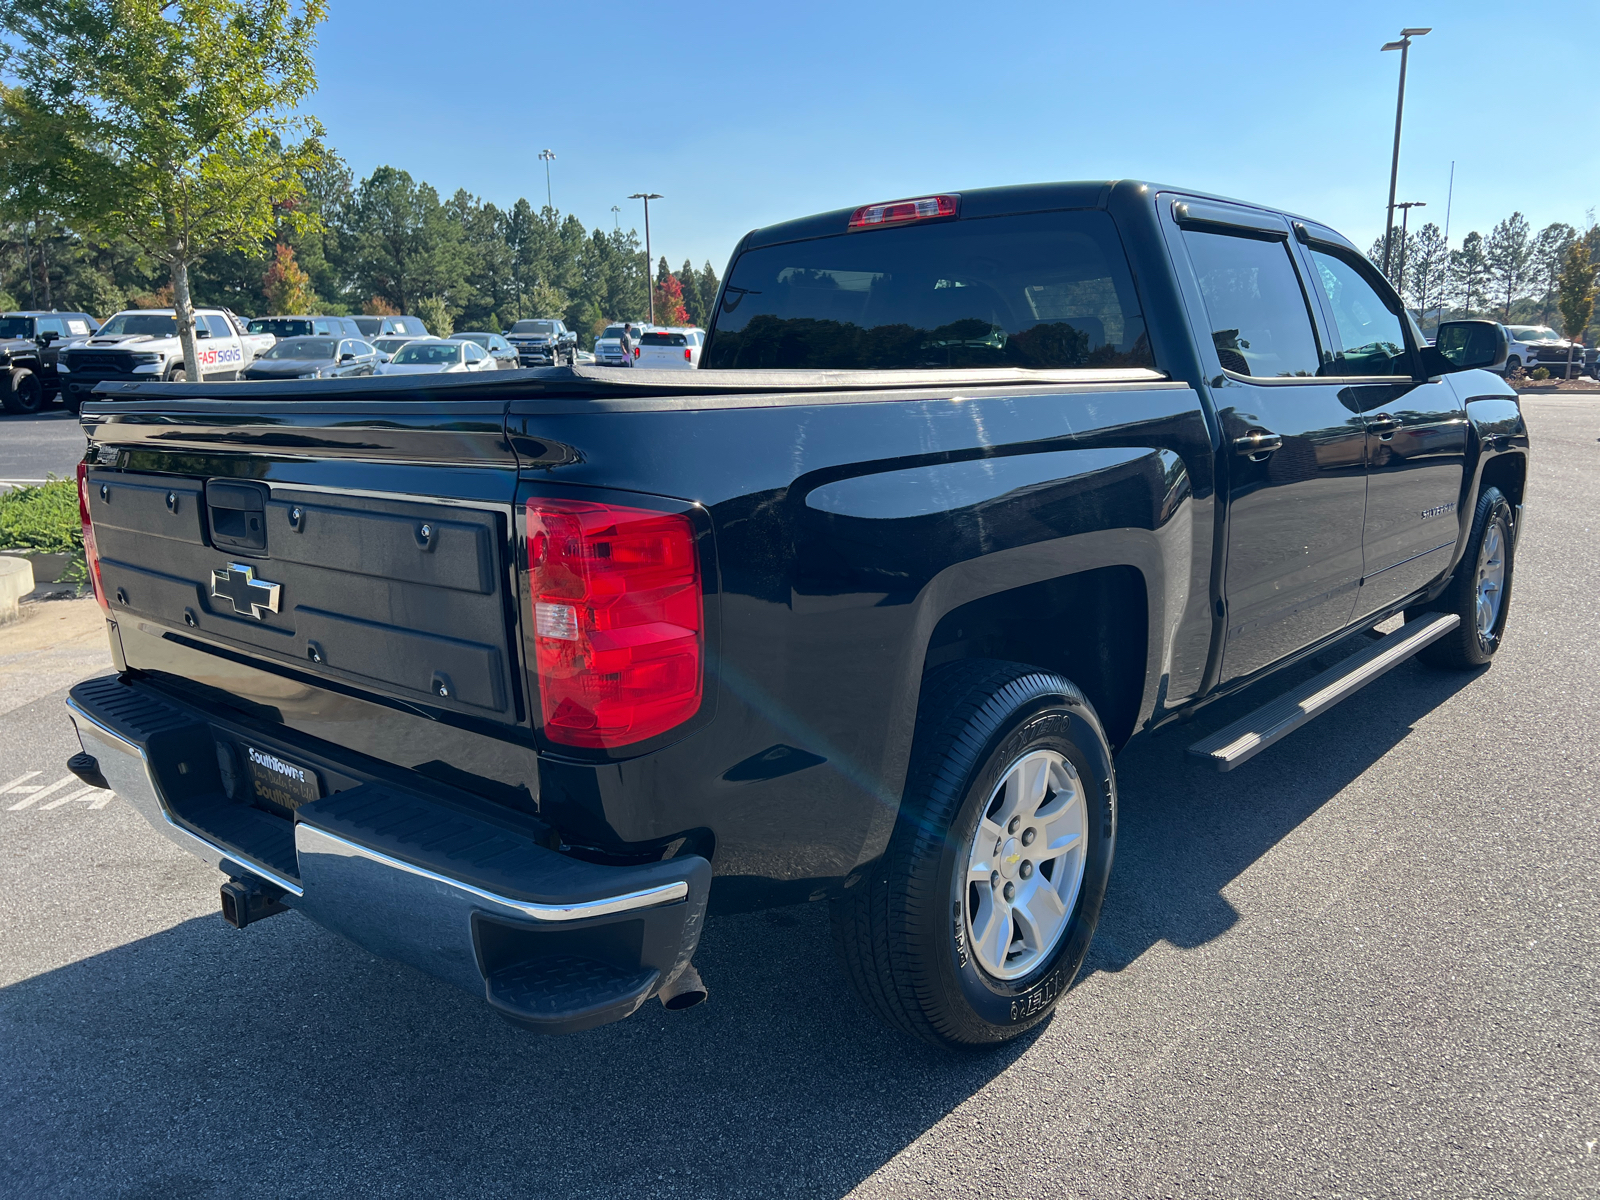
<point x="204" y="1061"/>
<point x="1185" y="832"/>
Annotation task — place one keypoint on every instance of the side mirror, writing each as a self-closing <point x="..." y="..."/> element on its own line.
<point x="48" y="336"/>
<point x="1466" y="346"/>
<point x="347" y="356"/>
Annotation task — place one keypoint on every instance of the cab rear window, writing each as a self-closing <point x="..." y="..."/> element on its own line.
<point x="1040" y="290"/>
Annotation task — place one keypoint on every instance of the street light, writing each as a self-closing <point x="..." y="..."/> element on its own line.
<point x="1405" y="208"/>
<point x="649" y="287"/>
<point x="616" y="217"/>
<point x="1404" y="46"/>
<point x="546" y="156"/>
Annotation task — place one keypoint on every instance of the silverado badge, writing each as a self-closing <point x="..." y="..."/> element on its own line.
<point x="251" y="596"/>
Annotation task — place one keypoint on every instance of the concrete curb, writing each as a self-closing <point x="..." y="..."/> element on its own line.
<point x="16" y="581"/>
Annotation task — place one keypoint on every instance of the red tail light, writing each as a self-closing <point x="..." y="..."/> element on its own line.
<point x="897" y="212"/>
<point x="636" y="352"/>
<point x="688" y="356"/>
<point x="618" y="629"/>
<point x="91" y="554"/>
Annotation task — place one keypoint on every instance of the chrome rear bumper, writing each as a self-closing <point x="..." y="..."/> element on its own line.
<point x="552" y="942"/>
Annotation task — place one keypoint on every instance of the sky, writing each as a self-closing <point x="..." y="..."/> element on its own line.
<point x="745" y="114"/>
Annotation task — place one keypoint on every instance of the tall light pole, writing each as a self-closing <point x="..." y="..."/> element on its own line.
<point x="1404" y="46"/>
<point x="649" y="284"/>
<point x="616" y="217"/>
<point x="1405" y="208"/>
<point x="546" y="156"/>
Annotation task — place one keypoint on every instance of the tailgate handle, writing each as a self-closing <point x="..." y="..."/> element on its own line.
<point x="237" y="514"/>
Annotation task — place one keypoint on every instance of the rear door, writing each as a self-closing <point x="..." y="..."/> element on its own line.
<point x="1416" y="430"/>
<point x="1293" y="448"/>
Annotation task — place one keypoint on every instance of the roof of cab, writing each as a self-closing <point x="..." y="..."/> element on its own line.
<point x="1015" y="198"/>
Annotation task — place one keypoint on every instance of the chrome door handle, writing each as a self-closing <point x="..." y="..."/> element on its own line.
<point x="1383" y="425"/>
<point x="1257" y="444"/>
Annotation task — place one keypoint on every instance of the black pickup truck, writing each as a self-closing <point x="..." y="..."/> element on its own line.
<point x="515" y="677"/>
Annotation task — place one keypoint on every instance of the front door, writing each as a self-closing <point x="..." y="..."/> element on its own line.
<point x="1295" y="473"/>
<point x="1416" y="438"/>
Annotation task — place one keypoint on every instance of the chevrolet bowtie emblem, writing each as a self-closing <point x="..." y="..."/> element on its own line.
<point x="251" y="596"/>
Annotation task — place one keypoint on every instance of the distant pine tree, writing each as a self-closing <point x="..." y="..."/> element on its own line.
<point x="693" y="302"/>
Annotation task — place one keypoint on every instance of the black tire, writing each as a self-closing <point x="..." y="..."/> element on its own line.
<point x="1467" y="646"/>
<point x="177" y="375"/>
<point x="24" y="391"/>
<point x="902" y="931"/>
<point x="71" y="401"/>
<point x="1513" y="364"/>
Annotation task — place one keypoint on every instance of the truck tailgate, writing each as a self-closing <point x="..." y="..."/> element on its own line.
<point x="242" y="550"/>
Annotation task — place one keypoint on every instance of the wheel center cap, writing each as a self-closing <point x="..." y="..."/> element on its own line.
<point x="1010" y="857"/>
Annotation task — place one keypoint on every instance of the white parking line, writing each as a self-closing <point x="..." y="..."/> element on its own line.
<point x="12" y="786"/>
<point x="101" y="798"/>
<point x="41" y="793"/>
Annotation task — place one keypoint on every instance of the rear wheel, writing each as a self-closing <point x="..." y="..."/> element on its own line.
<point x="1480" y="593"/>
<point x="980" y="913"/>
<point x="24" y="392"/>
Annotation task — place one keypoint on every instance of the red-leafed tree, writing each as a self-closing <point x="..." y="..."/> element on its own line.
<point x="286" y="286"/>
<point x="669" y="301"/>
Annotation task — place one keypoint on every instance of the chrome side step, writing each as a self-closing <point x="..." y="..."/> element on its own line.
<point x="1255" y="731"/>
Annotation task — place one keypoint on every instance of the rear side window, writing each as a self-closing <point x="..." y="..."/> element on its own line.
<point x="1043" y="290"/>
<point x="1260" y="318"/>
<point x="1373" y="342"/>
<point x="219" y="326"/>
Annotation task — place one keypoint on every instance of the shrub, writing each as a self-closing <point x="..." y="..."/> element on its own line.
<point x="43" y="518"/>
<point x="1540" y="374"/>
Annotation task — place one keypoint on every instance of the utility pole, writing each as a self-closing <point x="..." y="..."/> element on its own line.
<point x="649" y="284"/>
<point x="546" y="156"/>
<point x="1400" y="268"/>
<point x="1404" y="46"/>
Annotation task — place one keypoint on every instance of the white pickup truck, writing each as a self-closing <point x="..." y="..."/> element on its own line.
<point x="141" y="345"/>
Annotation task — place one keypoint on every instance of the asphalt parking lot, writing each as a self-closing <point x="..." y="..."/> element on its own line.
<point x="1365" y="964"/>
<point x="49" y="442"/>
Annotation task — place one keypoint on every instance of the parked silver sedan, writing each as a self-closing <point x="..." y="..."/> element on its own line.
<point x="433" y="356"/>
<point x="502" y="351"/>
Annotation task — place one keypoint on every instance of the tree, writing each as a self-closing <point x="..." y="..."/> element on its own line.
<point x="1427" y="256"/>
<point x="1575" y="294"/>
<point x="404" y="244"/>
<point x="1508" y="253"/>
<point x="1548" y="258"/>
<point x="173" y="124"/>
<point x="708" y="289"/>
<point x="1469" y="275"/>
<point x="287" y="287"/>
<point x="669" y="297"/>
<point x="693" y="303"/>
<point x="435" y="314"/>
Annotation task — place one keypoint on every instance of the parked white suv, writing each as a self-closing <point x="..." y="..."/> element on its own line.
<point x="142" y="345"/>
<point x="608" y="346"/>
<point x="676" y="349"/>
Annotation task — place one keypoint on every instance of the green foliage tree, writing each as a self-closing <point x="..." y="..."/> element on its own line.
<point x="708" y="288"/>
<point x="435" y="314"/>
<point x="1549" y="254"/>
<point x="1509" y="254"/>
<point x="173" y="125"/>
<point x="1575" y="294"/>
<point x="1469" y="275"/>
<point x="404" y="246"/>
<point x="1427" y="258"/>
